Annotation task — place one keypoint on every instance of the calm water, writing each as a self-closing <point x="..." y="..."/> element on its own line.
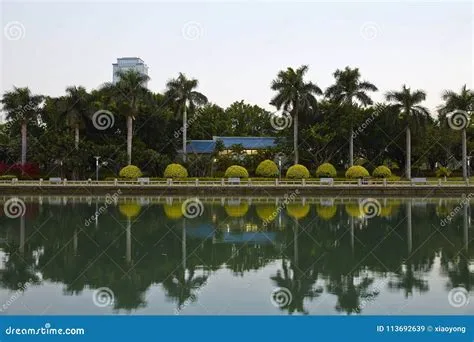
<point x="320" y="256"/>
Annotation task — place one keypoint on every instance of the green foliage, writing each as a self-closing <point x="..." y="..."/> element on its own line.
<point x="297" y="171"/>
<point x="236" y="171"/>
<point x="175" y="171"/>
<point x="443" y="172"/>
<point x="326" y="170"/>
<point x="267" y="168"/>
<point x="8" y="177"/>
<point x="130" y="172"/>
<point x="357" y="171"/>
<point x="382" y="172"/>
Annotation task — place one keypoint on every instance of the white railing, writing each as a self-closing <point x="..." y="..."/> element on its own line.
<point x="243" y="183"/>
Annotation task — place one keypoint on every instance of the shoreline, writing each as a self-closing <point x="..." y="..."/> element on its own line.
<point x="240" y="190"/>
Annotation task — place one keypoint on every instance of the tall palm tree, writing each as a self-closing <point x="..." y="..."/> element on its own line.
<point x="295" y="95"/>
<point x="462" y="101"/>
<point x="349" y="91"/>
<point x="23" y="107"/>
<point x="77" y="103"/>
<point x="181" y="91"/>
<point x="407" y="103"/>
<point x="130" y="91"/>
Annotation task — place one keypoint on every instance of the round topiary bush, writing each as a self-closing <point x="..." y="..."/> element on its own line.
<point x="267" y="168"/>
<point x="236" y="171"/>
<point x="130" y="172"/>
<point x="297" y="171"/>
<point x="382" y="172"/>
<point x="357" y="171"/>
<point x="175" y="171"/>
<point x="326" y="170"/>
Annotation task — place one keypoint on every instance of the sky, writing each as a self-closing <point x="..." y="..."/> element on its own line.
<point x="235" y="49"/>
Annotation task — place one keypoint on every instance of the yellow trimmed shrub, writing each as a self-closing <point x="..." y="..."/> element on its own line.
<point x="267" y="168"/>
<point x="175" y="171"/>
<point x="357" y="171"/>
<point x="382" y="172"/>
<point x="266" y="212"/>
<point x="354" y="210"/>
<point x="236" y="171"/>
<point x="129" y="209"/>
<point x="173" y="211"/>
<point x="326" y="170"/>
<point x="130" y="172"/>
<point x="237" y="210"/>
<point x="297" y="210"/>
<point x="326" y="212"/>
<point x="297" y="171"/>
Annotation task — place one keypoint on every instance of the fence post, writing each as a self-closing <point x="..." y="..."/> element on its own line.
<point x="249" y="183"/>
<point x="467" y="181"/>
<point x="222" y="181"/>
<point x="89" y="181"/>
<point x="439" y="181"/>
<point x="359" y="182"/>
<point x="115" y="181"/>
<point x="65" y="181"/>
<point x="303" y="181"/>
<point x="170" y="181"/>
<point x="276" y="181"/>
<point x="41" y="181"/>
<point x="197" y="181"/>
<point x="385" y="182"/>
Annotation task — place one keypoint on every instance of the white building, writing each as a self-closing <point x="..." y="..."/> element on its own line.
<point x="128" y="63"/>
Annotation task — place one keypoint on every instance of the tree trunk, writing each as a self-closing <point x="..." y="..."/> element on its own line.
<point x="408" y="161"/>
<point x="185" y="131"/>
<point x="76" y="136"/>
<point x="409" y="227"/>
<point x="466" y="225"/>
<point x="129" y="138"/>
<point x="295" y="136"/>
<point x="128" y="251"/>
<point x="23" y="143"/>
<point x="183" y="245"/>
<point x="351" y="148"/>
<point x="464" y="154"/>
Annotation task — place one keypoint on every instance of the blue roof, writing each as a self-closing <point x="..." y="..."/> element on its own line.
<point x="249" y="143"/>
<point x="249" y="237"/>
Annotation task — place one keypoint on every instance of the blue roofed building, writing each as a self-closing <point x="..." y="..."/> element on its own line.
<point x="250" y="144"/>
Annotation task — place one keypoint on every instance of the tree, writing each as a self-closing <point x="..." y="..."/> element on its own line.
<point x="349" y="91"/>
<point x="462" y="101"/>
<point x="406" y="102"/>
<point x="131" y="92"/>
<point x="181" y="91"/>
<point x="77" y="109"/>
<point x="296" y="95"/>
<point x="22" y="106"/>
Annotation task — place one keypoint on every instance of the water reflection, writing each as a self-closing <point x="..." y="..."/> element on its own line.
<point x="322" y="250"/>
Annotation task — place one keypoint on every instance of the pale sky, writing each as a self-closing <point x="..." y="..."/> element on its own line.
<point x="235" y="49"/>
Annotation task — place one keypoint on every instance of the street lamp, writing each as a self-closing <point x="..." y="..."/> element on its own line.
<point x="97" y="168"/>
<point x="468" y="167"/>
<point x="214" y="160"/>
<point x="279" y="166"/>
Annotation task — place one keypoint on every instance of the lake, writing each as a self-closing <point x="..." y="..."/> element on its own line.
<point x="244" y="256"/>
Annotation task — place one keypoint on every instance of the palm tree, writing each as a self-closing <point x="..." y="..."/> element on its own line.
<point x="462" y="101"/>
<point x="182" y="91"/>
<point x="131" y="91"/>
<point x="22" y="106"/>
<point x="349" y="91"/>
<point x="77" y="102"/>
<point x="406" y="102"/>
<point x="294" y="94"/>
